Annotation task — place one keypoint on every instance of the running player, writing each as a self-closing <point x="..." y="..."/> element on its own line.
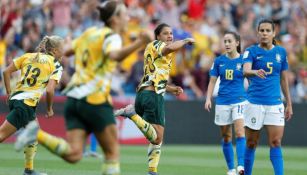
<point x="39" y="71"/>
<point x="88" y="108"/>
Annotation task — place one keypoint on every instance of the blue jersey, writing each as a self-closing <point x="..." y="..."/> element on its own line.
<point x="266" y="91"/>
<point x="230" y="71"/>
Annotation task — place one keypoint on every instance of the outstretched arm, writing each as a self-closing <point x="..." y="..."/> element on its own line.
<point x="176" y="46"/>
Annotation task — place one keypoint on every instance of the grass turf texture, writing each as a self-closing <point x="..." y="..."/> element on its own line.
<point x="175" y="160"/>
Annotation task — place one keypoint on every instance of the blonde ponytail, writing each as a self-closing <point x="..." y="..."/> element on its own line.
<point x="47" y="44"/>
<point x="41" y="48"/>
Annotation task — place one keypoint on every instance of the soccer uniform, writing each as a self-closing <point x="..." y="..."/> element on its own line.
<point x="231" y="94"/>
<point x="89" y="101"/>
<point x="34" y="79"/>
<point x="150" y="104"/>
<point x="264" y="96"/>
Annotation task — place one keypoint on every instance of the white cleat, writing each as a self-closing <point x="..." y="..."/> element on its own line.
<point x="28" y="136"/>
<point x="126" y="112"/>
<point x="240" y="170"/>
<point x="231" y="172"/>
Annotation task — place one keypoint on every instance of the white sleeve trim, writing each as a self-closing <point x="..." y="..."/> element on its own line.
<point x="115" y="41"/>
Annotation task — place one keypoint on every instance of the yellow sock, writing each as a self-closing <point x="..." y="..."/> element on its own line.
<point x="110" y="167"/>
<point x="56" y="145"/>
<point x="147" y="129"/>
<point x="154" y="152"/>
<point x="29" y="154"/>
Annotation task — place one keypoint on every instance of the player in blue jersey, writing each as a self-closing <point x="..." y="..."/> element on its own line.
<point x="265" y="65"/>
<point x="230" y="100"/>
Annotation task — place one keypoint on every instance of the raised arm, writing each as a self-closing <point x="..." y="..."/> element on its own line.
<point x="121" y="54"/>
<point x="176" y="46"/>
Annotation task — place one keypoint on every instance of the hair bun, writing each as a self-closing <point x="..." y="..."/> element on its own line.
<point x="107" y="9"/>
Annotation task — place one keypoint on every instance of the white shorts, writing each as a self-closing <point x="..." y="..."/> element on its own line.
<point x="226" y="114"/>
<point x="258" y="115"/>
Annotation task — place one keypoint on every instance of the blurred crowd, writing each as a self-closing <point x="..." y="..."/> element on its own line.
<point x="23" y="23"/>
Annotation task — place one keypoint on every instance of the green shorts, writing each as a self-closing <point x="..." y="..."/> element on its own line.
<point x="150" y="106"/>
<point x="81" y="115"/>
<point x="20" y="113"/>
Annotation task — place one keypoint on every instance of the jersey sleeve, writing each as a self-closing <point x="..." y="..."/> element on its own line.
<point x="157" y="47"/>
<point x="284" y="64"/>
<point x="57" y="73"/>
<point x="214" y="69"/>
<point x="112" y="43"/>
<point x="18" y="61"/>
<point x="248" y="56"/>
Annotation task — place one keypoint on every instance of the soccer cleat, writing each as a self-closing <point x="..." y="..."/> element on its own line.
<point x="28" y="136"/>
<point x="152" y="173"/>
<point x="240" y="170"/>
<point x="92" y="154"/>
<point x="32" y="172"/>
<point x="231" y="172"/>
<point x="126" y="112"/>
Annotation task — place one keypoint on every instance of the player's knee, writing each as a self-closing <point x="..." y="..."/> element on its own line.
<point x="227" y="138"/>
<point x="275" y="142"/>
<point x="1" y="138"/>
<point x="157" y="141"/>
<point x="239" y="132"/>
<point x="73" y="159"/>
<point x="250" y="143"/>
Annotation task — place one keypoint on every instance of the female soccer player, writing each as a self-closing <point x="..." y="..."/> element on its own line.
<point x="230" y="100"/>
<point x="148" y="113"/>
<point x="265" y="65"/>
<point x="39" y="71"/>
<point x="88" y="107"/>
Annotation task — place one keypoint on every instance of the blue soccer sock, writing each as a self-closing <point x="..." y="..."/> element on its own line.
<point x="228" y="154"/>
<point x="93" y="143"/>
<point x="249" y="160"/>
<point x="240" y="145"/>
<point x="277" y="160"/>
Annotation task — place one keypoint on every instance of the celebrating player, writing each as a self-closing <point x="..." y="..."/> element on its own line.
<point x="148" y="113"/>
<point x="88" y="107"/>
<point x="230" y="100"/>
<point x="265" y="65"/>
<point x="39" y="71"/>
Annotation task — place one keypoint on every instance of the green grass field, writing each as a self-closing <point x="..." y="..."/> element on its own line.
<point x="175" y="160"/>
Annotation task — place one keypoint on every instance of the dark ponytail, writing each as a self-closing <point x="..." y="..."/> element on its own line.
<point x="159" y="28"/>
<point x="108" y="9"/>
<point x="237" y="38"/>
<point x="269" y="21"/>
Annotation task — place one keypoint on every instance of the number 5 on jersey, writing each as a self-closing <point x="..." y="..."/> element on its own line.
<point x="229" y="74"/>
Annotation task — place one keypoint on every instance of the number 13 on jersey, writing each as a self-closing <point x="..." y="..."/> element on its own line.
<point x="229" y="74"/>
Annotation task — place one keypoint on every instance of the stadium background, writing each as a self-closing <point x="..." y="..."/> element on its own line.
<point x="23" y="23"/>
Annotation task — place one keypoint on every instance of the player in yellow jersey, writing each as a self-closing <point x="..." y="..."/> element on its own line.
<point x="39" y="71"/>
<point x="148" y="113"/>
<point x="89" y="107"/>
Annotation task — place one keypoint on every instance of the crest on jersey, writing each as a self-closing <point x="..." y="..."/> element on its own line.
<point x="278" y="58"/>
<point x="239" y="65"/>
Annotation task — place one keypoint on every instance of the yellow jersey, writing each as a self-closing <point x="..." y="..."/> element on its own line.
<point x="93" y="69"/>
<point x="35" y="76"/>
<point x="156" y="67"/>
